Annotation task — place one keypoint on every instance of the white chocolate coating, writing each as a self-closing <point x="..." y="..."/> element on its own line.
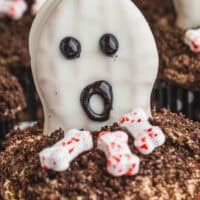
<point x="131" y="72"/>
<point x="147" y="137"/>
<point x="188" y="12"/>
<point x="120" y="160"/>
<point x="59" y="156"/>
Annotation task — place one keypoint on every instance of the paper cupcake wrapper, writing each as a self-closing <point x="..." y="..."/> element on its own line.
<point x="177" y="99"/>
<point x="5" y="126"/>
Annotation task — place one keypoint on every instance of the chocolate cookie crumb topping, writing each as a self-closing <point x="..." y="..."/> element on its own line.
<point x="171" y="172"/>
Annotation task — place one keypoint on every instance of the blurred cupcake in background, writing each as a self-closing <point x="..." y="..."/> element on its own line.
<point x="14" y="55"/>
<point x="178" y="84"/>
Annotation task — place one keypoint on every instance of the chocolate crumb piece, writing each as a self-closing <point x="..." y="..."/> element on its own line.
<point x="12" y="99"/>
<point x="178" y="64"/>
<point x="171" y="172"/>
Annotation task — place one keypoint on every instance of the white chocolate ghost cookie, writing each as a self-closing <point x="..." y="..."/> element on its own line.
<point x="92" y="61"/>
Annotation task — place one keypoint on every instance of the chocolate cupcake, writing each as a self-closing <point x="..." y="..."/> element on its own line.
<point x="170" y="172"/>
<point x="133" y="159"/>
<point x="12" y="100"/>
<point x="178" y="85"/>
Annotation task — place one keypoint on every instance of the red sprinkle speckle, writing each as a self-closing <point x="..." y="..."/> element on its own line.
<point x="131" y="170"/>
<point x="45" y="167"/>
<point x="151" y="135"/>
<point x="143" y="139"/>
<point x="102" y="134"/>
<point x="12" y="11"/>
<point x="117" y="159"/>
<point x="113" y="144"/>
<point x="119" y="146"/>
<point x="128" y="156"/>
<point x="109" y="162"/>
<point x="144" y="146"/>
<point x="150" y="130"/>
<point x="70" y="141"/>
<point x="71" y="150"/>
<point x="195" y="45"/>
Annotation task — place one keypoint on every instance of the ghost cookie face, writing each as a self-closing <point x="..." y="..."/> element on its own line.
<point x="92" y="61"/>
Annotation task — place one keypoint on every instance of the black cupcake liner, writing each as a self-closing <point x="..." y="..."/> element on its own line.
<point x="5" y="126"/>
<point x="176" y="99"/>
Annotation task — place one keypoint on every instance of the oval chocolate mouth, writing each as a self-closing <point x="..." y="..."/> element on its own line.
<point x="104" y="90"/>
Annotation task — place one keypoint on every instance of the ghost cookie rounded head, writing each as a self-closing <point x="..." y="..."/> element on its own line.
<point x="70" y="48"/>
<point x="88" y="70"/>
<point x="109" y="44"/>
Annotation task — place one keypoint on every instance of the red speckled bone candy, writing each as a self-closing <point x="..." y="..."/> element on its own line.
<point x="120" y="160"/>
<point x="13" y="8"/>
<point x="59" y="156"/>
<point x="147" y="137"/>
<point x="192" y="39"/>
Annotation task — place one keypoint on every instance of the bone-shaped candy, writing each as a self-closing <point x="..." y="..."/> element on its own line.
<point x="192" y="39"/>
<point x="147" y="142"/>
<point x="13" y="8"/>
<point x="147" y="137"/>
<point x="59" y="156"/>
<point x="132" y="121"/>
<point x="37" y="5"/>
<point x="120" y="160"/>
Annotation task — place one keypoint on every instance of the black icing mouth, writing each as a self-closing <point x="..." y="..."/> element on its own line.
<point x="104" y="90"/>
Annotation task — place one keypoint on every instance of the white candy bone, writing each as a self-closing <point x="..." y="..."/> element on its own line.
<point x="120" y="160"/>
<point x="148" y="141"/>
<point x="147" y="137"/>
<point x="13" y="8"/>
<point x="192" y="39"/>
<point x="59" y="156"/>
<point x="133" y="120"/>
<point x="37" y="5"/>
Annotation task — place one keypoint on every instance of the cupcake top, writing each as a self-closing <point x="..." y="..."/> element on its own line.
<point x="178" y="64"/>
<point x="171" y="172"/>
<point x="12" y="99"/>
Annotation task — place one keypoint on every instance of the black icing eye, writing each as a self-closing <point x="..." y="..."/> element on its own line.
<point x="70" y="48"/>
<point x="109" y="44"/>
